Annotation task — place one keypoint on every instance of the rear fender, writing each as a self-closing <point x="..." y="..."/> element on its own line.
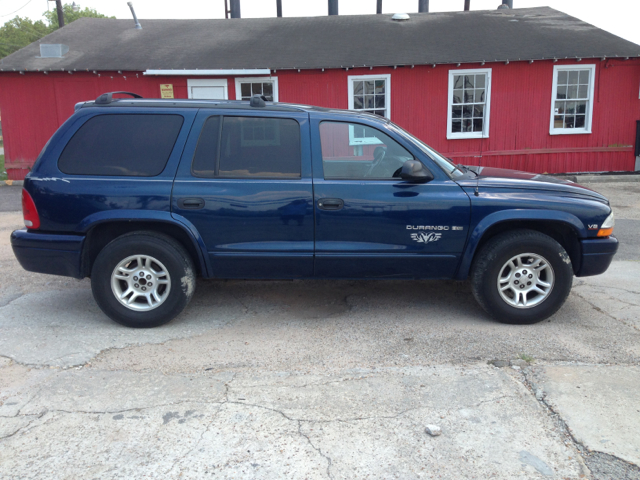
<point x="513" y="215"/>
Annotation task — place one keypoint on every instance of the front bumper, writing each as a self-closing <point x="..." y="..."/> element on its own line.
<point x="597" y="255"/>
<point x="48" y="253"/>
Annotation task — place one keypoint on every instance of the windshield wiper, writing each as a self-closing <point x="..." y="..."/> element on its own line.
<point x="464" y="168"/>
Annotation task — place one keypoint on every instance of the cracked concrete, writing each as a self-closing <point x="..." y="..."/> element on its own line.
<point x="314" y="379"/>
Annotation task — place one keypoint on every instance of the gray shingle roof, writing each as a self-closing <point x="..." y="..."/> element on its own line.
<point x="323" y="42"/>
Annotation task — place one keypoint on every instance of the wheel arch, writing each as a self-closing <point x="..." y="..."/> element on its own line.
<point x="563" y="227"/>
<point x="101" y="233"/>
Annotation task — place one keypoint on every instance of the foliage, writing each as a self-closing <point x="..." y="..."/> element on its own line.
<point x="20" y="32"/>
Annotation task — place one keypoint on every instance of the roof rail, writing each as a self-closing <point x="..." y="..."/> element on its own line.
<point x="107" y="98"/>
<point x="258" y="101"/>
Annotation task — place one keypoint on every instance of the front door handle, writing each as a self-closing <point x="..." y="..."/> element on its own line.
<point x="330" y="204"/>
<point x="191" y="203"/>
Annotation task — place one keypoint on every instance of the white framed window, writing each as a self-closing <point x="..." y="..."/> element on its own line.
<point x="372" y="94"/>
<point x="469" y="103"/>
<point x="247" y="87"/>
<point x="207" y="88"/>
<point x="572" y="99"/>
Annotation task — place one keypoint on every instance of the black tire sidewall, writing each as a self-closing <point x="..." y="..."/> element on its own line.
<point x="176" y="262"/>
<point x="496" y="256"/>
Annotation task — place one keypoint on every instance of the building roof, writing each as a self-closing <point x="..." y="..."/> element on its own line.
<point x="323" y="42"/>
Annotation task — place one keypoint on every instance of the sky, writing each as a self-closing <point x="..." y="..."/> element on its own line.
<point x="619" y="17"/>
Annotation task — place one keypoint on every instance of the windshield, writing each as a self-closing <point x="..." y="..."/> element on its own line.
<point x="444" y="163"/>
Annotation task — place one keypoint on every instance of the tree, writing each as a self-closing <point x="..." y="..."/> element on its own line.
<point x="20" y="32"/>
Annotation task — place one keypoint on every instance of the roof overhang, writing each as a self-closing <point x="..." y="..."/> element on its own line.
<point x="233" y="71"/>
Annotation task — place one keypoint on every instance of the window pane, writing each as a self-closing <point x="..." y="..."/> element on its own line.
<point x="469" y="81"/>
<point x="380" y="101"/>
<point x="559" y="108"/>
<point x="573" y="77"/>
<point x="245" y="89"/>
<point x="558" y="121"/>
<point x="570" y="108"/>
<point x="380" y="86"/>
<point x="569" y="121"/>
<point x="478" y="111"/>
<point x="355" y="151"/>
<point x="358" y="88"/>
<point x="480" y="80"/>
<point x="581" y="107"/>
<point x="267" y="90"/>
<point x="583" y="91"/>
<point x="468" y="96"/>
<point x="204" y="160"/>
<point x="458" y="81"/>
<point x="358" y="102"/>
<point x="256" y="89"/>
<point x="369" y="101"/>
<point x="121" y="144"/>
<point x="456" y="126"/>
<point x="369" y="87"/>
<point x="479" y="97"/>
<point x="580" y="119"/>
<point x="467" y="125"/>
<point x="562" y="77"/>
<point x="584" y="77"/>
<point x="457" y="96"/>
<point x="562" y="92"/>
<point x="456" y="111"/>
<point x="572" y="92"/>
<point x="260" y="147"/>
<point x="477" y="125"/>
<point x="467" y="111"/>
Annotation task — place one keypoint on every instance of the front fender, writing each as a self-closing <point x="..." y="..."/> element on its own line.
<point x="156" y="216"/>
<point x="510" y="215"/>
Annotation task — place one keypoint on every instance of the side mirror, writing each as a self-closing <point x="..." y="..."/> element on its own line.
<point x="415" y="171"/>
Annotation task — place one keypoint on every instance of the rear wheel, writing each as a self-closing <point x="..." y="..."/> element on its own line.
<point x="143" y="279"/>
<point x="522" y="277"/>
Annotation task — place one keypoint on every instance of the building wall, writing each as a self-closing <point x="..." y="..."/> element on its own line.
<point x="34" y="105"/>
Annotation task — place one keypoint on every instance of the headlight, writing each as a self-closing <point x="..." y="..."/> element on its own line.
<point x="606" y="229"/>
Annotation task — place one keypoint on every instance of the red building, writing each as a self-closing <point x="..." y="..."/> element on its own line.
<point x="529" y="89"/>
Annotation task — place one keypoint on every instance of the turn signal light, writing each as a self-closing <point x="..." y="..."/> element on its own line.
<point x="29" y="212"/>
<point x="606" y="229"/>
<point x="605" y="232"/>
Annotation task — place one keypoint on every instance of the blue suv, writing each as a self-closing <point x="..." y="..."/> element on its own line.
<point x="144" y="195"/>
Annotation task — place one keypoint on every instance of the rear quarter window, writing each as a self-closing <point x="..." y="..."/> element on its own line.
<point x="121" y="145"/>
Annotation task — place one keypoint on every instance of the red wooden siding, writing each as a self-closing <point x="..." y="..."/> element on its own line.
<point x="34" y="105"/>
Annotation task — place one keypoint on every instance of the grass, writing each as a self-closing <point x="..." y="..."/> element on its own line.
<point x="525" y="357"/>
<point x="3" y="173"/>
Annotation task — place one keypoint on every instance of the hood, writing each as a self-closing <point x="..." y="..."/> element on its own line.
<point x="505" y="178"/>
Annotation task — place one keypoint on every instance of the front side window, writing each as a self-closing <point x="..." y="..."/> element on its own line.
<point x="469" y="102"/>
<point x="248" y="87"/>
<point x="245" y="147"/>
<point x="121" y="145"/>
<point x="572" y="99"/>
<point x="381" y="160"/>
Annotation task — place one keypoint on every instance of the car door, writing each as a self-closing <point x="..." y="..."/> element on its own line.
<point x="372" y="224"/>
<point x="244" y="183"/>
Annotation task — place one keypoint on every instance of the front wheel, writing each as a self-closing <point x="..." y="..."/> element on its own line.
<point x="143" y="279"/>
<point x="521" y="277"/>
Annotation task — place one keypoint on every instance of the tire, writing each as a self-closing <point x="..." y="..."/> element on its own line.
<point x="146" y="301"/>
<point x="521" y="277"/>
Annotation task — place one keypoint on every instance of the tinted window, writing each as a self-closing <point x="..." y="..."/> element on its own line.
<point x="204" y="160"/>
<point x="360" y="152"/>
<point x="136" y="145"/>
<point x="259" y="147"/>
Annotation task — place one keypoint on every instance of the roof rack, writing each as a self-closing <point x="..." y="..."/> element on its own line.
<point x="107" y="98"/>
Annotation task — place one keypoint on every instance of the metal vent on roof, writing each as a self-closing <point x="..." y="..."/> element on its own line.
<point x="53" y="50"/>
<point x="400" y="17"/>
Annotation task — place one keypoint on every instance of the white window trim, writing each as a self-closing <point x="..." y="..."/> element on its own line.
<point x="387" y="93"/>
<point x="589" y="117"/>
<point x="273" y="80"/>
<point x="208" y="82"/>
<point x="487" y="105"/>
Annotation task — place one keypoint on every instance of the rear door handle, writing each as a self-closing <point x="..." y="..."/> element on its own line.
<point x="330" y="204"/>
<point x="191" y="203"/>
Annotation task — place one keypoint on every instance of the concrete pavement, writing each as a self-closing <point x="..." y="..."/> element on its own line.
<point x="321" y="380"/>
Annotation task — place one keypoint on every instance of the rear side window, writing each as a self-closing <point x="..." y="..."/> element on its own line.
<point x="121" y="145"/>
<point x="248" y="147"/>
